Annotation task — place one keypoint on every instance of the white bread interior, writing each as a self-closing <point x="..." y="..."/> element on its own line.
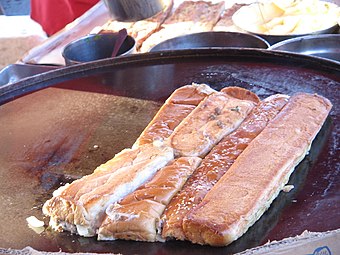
<point x="137" y="216"/>
<point x="84" y="214"/>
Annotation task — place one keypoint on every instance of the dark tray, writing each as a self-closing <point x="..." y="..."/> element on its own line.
<point x="49" y="124"/>
<point x="324" y="46"/>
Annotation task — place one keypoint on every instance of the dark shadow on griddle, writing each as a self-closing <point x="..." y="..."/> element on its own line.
<point x="252" y="238"/>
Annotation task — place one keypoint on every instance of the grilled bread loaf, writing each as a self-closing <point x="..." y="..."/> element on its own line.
<point x="216" y="163"/>
<point x="215" y="117"/>
<point x="137" y="216"/>
<point x="257" y="176"/>
<point x="83" y="213"/>
<point x="178" y="106"/>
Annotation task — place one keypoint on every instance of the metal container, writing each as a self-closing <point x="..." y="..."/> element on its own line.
<point x="212" y="40"/>
<point x="134" y="10"/>
<point x="96" y="46"/>
<point x="325" y="46"/>
<point x="273" y="39"/>
<point x="16" y="72"/>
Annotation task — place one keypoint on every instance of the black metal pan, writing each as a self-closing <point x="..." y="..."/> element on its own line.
<point x="16" y="72"/>
<point x="58" y="126"/>
<point x="212" y="40"/>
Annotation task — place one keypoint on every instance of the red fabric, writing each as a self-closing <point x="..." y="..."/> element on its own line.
<point x="81" y="6"/>
<point x="54" y="15"/>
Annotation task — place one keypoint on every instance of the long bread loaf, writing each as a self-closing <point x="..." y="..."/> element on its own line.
<point x="216" y="163"/>
<point x="137" y="216"/>
<point x="178" y="106"/>
<point x="247" y="189"/>
<point x="84" y="213"/>
<point x="215" y="117"/>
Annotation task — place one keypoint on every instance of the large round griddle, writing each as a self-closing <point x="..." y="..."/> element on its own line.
<point x="58" y="126"/>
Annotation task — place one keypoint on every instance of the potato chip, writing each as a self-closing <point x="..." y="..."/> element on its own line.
<point x="285" y="17"/>
<point x="286" y="25"/>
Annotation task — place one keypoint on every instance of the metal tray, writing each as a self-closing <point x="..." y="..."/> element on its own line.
<point x="325" y="46"/>
<point x="16" y="72"/>
<point x="49" y="124"/>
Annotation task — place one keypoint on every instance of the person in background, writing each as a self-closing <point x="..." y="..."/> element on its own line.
<point x="54" y="15"/>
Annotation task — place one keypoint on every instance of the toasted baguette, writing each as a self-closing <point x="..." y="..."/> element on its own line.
<point x="216" y="164"/>
<point x="125" y="158"/>
<point x="178" y="106"/>
<point x="247" y="189"/>
<point x="216" y="116"/>
<point x="84" y="213"/>
<point x="136" y="217"/>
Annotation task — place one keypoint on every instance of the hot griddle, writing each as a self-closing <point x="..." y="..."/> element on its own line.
<point x="58" y="126"/>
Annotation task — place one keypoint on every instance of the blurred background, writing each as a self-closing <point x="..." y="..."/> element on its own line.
<point x="18" y="32"/>
<point x="14" y="7"/>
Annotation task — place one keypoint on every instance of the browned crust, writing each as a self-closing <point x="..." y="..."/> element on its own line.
<point x="65" y="207"/>
<point x="258" y="174"/>
<point x="190" y="94"/>
<point x="178" y="106"/>
<point x="215" y="164"/>
<point x="167" y="181"/>
<point x="166" y="120"/>
<point x="241" y="93"/>
<point x="216" y="116"/>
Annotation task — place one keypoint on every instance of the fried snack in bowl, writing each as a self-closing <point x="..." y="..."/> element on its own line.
<point x="278" y="20"/>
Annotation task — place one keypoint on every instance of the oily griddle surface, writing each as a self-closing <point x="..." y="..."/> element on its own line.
<point x="85" y="116"/>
